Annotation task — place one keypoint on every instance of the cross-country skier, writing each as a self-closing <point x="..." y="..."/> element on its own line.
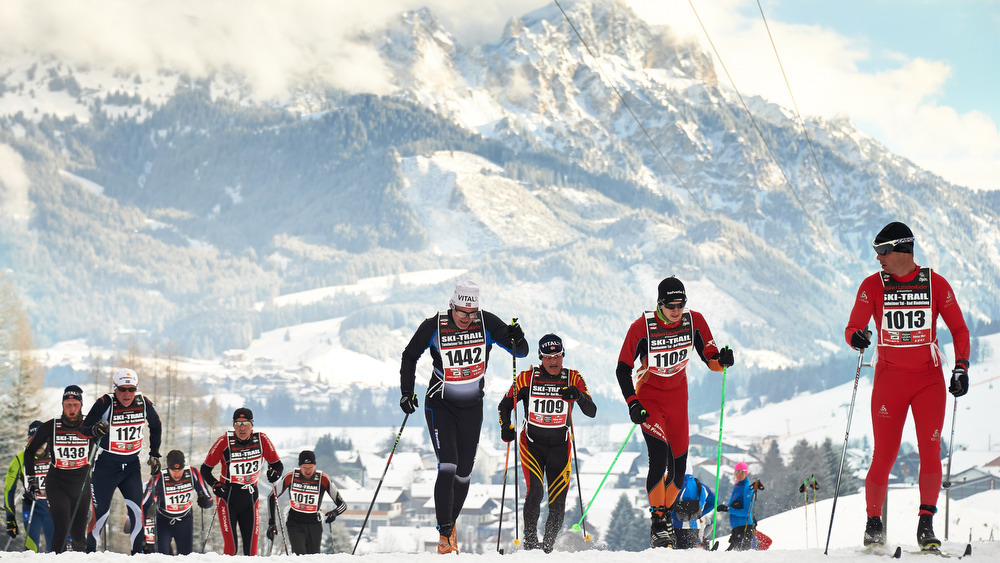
<point x="460" y="340"/>
<point x="665" y="340"/>
<point x="36" y="509"/>
<point x="306" y="487"/>
<point x="905" y="300"/>
<point x="116" y="421"/>
<point x="241" y="453"/>
<point x="67" y="484"/>
<point x="548" y="392"/>
<point x="694" y="500"/>
<point x="175" y="489"/>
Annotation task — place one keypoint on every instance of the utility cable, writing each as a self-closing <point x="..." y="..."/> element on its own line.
<point x="805" y="132"/>
<point x="754" y="121"/>
<point x="653" y="143"/>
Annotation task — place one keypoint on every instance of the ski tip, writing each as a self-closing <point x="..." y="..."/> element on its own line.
<point x="968" y="550"/>
<point x="500" y="550"/>
<point x="898" y="553"/>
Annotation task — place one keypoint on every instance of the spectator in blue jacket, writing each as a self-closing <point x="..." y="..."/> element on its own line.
<point x="741" y="511"/>
<point x="694" y="501"/>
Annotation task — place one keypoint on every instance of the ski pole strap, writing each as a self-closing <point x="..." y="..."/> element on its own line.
<point x="622" y="448"/>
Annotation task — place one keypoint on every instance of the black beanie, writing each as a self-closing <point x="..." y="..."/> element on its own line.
<point x="307" y="457"/>
<point x="550" y="344"/>
<point x="670" y="289"/>
<point x="895" y="231"/>
<point x="73" y="392"/>
<point x="175" y="459"/>
<point x="33" y="428"/>
<point x="243" y="412"/>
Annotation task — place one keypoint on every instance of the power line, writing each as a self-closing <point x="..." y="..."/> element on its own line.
<point x="754" y="122"/>
<point x="805" y="131"/>
<point x="650" y="139"/>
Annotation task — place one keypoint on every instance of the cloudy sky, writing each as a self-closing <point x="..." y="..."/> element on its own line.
<point x="921" y="76"/>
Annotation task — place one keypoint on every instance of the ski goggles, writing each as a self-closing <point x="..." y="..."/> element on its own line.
<point x="883" y="248"/>
<point x="673" y="306"/>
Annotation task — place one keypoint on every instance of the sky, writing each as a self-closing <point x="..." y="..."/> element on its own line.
<point x="920" y="76"/>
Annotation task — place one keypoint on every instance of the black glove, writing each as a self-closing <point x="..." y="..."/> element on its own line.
<point x="959" y="381"/>
<point x="11" y="525"/>
<point x="726" y="358"/>
<point x="330" y="517"/>
<point x="515" y="332"/>
<point x="508" y="432"/>
<point x="204" y="501"/>
<point x="738" y="503"/>
<point x="272" y="530"/>
<point x="636" y="412"/>
<point x="722" y="508"/>
<point x="570" y="393"/>
<point x="273" y="474"/>
<point x="154" y="464"/>
<point x="100" y="429"/>
<point x="861" y="339"/>
<point x="31" y="489"/>
<point x="221" y="489"/>
<point x="409" y="403"/>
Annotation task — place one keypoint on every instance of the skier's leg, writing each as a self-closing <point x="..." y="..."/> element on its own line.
<point x="928" y="406"/>
<point x="532" y="469"/>
<point x="890" y="402"/>
<point x="469" y="428"/>
<point x="557" y="471"/>
<point x="442" y="426"/>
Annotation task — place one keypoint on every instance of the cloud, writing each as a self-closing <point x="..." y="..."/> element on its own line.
<point x="892" y="97"/>
<point x="889" y="96"/>
<point x="14" y="183"/>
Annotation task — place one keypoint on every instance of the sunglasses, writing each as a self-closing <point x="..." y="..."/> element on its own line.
<point x="465" y="315"/>
<point x="673" y="306"/>
<point x="544" y="356"/>
<point x="243" y="423"/>
<point x="883" y="248"/>
<point x="127" y="389"/>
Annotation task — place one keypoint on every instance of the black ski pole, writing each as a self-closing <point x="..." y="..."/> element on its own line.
<point x="281" y="525"/>
<point x="83" y="487"/>
<point x="211" y="524"/>
<point x="947" y="480"/>
<point x="517" y="446"/>
<point x="503" y="495"/>
<point x="386" y="470"/>
<point x="847" y="434"/>
<point x="579" y="487"/>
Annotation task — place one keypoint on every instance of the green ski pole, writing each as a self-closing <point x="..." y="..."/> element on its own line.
<point x="718" y="457"/>
<point x="576" y="527"/>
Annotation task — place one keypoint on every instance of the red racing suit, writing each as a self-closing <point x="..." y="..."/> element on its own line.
<point x="908" y="372"/>
<point x="661" y="387"/>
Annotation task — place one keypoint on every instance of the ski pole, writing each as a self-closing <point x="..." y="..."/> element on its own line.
<point x="281" y="524"/>
<point x="517" y="495"/>
<point x="805" y="506"/>
<point x="86" y="479"/>
<point x="27" y="527"/>
<point x="847" y="434"/>
<point x="503" y="494"/>
<point x="386" y="470"/>
<point x="815" y="487"/>
<point x="579" y="487"/>
<point x="204" y="542"/>
<point x="947" y="480"/>
<point x="718" y="456"/>
<point x="576" y="527"/>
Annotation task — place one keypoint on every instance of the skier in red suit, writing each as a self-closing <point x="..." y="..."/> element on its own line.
<point x="905" y="300"/>
<point x="665" y="340"/>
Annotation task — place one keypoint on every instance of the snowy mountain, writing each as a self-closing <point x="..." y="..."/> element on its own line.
<point x="165" y="206"/>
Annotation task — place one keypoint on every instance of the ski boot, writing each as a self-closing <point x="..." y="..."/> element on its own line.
<point x="925" y="533"/>
<point x="447" y="543"/>
<point x="874" y="532"/>
<point x="530" y="540"/>
<point x="661" y="531"/>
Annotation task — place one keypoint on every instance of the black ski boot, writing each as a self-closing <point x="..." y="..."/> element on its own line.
<point x="874" y="532"/>
<point x="661" y="531"/>
<point x="530" y="541"/>
<point x="925" y="533"/>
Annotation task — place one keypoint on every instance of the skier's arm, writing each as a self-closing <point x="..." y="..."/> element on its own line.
<point x="10" y="485"/>
<point x="500" y="333"/>
<point x="704" y="342"/>
<point x="585" y="402"/>
<point x="709" y="500"/>
<point x="951" y="313"/>
<point x="40" y="441"/>
<point x="635" y="346"/>
<point x="419" y="342"/>
<point x="155" y="429"/>
<point x="864" y="307"/>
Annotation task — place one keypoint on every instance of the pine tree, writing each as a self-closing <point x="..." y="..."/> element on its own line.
<point x="20" y="376"/>
<point x="626" y="530"/>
